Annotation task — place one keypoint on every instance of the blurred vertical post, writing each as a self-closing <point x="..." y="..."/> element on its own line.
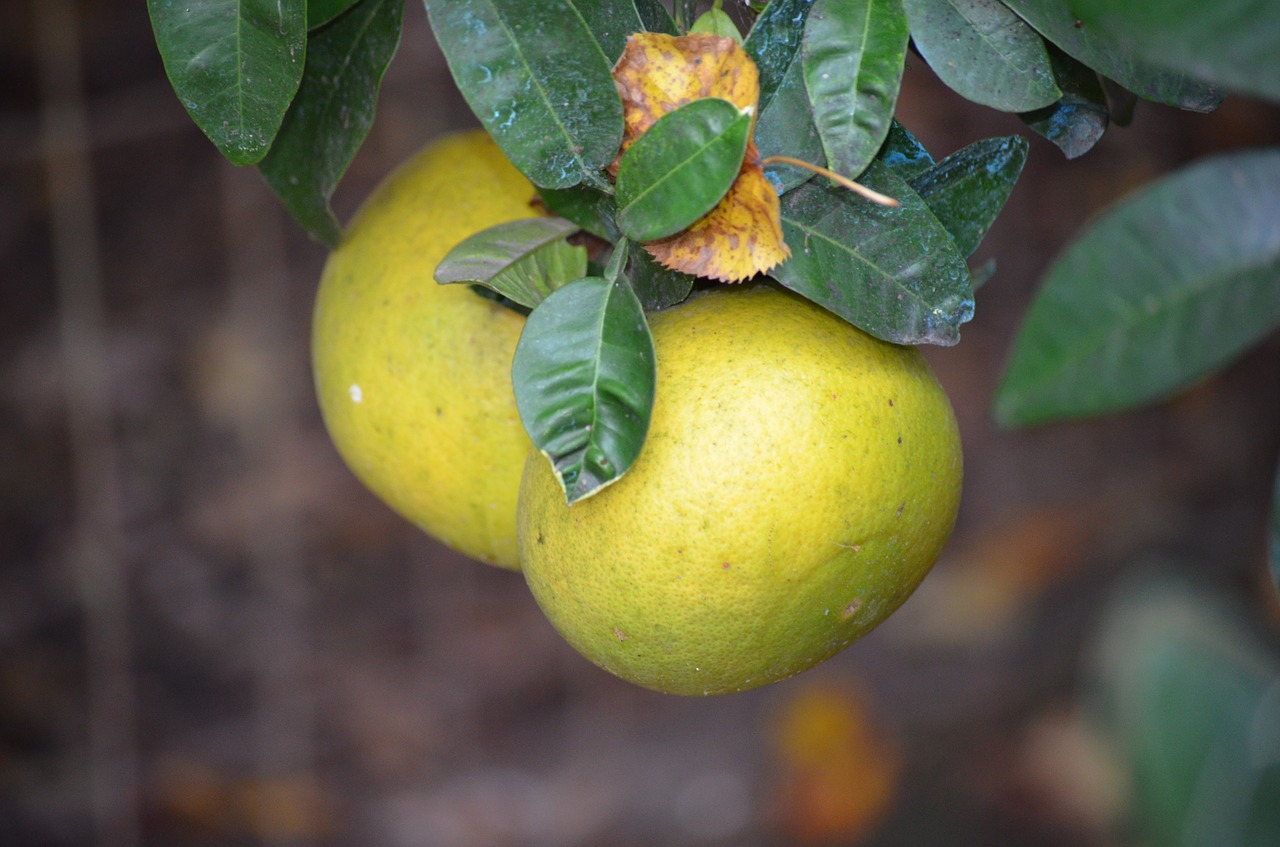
<point x="268" y="427"/>
<point x="97" y="542"/>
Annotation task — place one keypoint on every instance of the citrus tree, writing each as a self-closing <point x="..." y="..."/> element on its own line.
<point x="682" y="155"/>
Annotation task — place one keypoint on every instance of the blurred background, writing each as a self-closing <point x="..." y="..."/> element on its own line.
<point x="210" y="634"/>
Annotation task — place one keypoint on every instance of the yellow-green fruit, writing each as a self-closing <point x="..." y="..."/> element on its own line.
<point x="414" y="378"/>
<point x="798" y="481"/>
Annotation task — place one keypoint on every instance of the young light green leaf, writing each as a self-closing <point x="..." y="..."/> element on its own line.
<point x="522" y="260"/>
<point x="656" y="286"/>
<point x="538" y="80"/>
<point x="893" y="272"/>
<point x="680" y="168"/>
<point x="967" y="190"/>
<point x="1056" y="22"/>
<point x="853" y="55"/>
<point x="785" y="124"/>
<point x="332" y="113"/>
<point x="1159" y="291"/>
<point x="903" y="153"/>
<point x="320" y="12"/>
<point x="1231" y="43"/>
<point x="714" y="21"/>
<point x="590" y="208"/>
<point x="1077" y="121"/>
<point x="584" y="375"/>
<point x="235" y="65"/>
<point x="984" y="52"/>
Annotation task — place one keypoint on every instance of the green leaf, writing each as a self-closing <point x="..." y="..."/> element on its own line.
<point x="235" y="65"/>
<point x="1230" y="43"/>
<point x="984" y="52"/>
<point x="853" y="55"/>
<point x="522" y="260"/>
<point x="584" y="376"/>
<point x="1055" y="21"/>
<point x="656" y="286"/>
<point x="680" y="168"/>
<point x="1159" y="291"/>
<point x="590" y="208"/>
<point x="320" y="12"/>
<point x="332" y="113"/>
<point x="785" y="124"/>
<point x="1077" y="121"/>
<point x="715" y="22"/>
<point x="967" y="190"/>
<point x="893" y="272"/>
<point x="903" y="153"/>
<point x="535" y="76"/>
<point x="655" y="17"/>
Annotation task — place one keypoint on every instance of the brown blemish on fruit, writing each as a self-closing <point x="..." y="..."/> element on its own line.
<point x="850" y="610"/>
<point x="619" y="634"/>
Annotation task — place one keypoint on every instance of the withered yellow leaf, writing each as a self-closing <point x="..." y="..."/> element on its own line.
<point x="657" y="73"/>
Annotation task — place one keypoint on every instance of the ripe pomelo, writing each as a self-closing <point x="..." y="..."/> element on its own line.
<point x="414" y="378"/>
<point x="798" y="481"/>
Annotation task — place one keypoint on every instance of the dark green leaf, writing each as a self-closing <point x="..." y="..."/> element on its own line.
<point x="686" y="11"/>
<point x="320" y="12"/>
<point x="893" y="272"/>
<point x="612" y="21"/>
<point x="903" y="153"/>
<point x="655" y="17"/>
<point x="615" y="270"/>
<point x="584" y="376"/>
<point x="983" y="52"/>
<point x="967" y="190"/>
<point x="680" y="168"/>
<point x="535" y="76"/>
<point x="1077" y="121"/>
<point x="1058" y="24"/>
<point x="785" y="124"/>
<point x="715" y="22"/>
<point x="235" y="65"/>
<point x="853" y="55"/>
<point x="522" y="260"/>
<point x="1234" y="44"/>
<point x="1159" y="291"/>
<point x="656" y="286"/>
<point x="590" y="208"/>
<point x="332" y="113"/>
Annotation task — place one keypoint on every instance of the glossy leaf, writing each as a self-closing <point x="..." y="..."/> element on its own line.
<point x="611" y="21"/>
<point x="332" y="113"/>
<point x="1158" y="292"/>
<point x="984" y="52"/>
<point x="1231" y="43"/>
<point x="656" y="287"/>
<point x="654" y="16"/>
<point x="893" y="272"/>
<point x="967" y="190"/>
<point x="235" y="65"/>
<point x="538" y="80"/>
<point x="785" y="124"/>
<point x="320" y="12"/>
<point x="590" y="208"/>
<point x="853" y="55"/>
<point x="903" y="153"/>
<point x="584" y="378"/>
<point x="522" y="260"/>
<point x="1078" y="120"/>
<point x="677" y="171"/>
<point x="1056" y="22"/>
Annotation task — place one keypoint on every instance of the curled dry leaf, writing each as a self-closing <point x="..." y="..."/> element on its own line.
<point x="657" y="73"/>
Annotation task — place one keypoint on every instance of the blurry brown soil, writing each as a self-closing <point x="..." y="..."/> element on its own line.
<point x="210" y="627"/>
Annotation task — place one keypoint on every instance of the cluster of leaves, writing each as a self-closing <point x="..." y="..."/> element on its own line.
<point x="1158" y="292"/>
